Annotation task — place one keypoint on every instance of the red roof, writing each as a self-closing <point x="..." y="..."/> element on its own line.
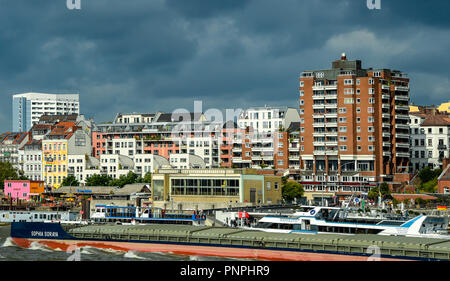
<point x="413" y="196"/>
<point x="437" y="120"/>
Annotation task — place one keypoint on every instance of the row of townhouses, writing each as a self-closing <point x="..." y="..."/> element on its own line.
<point x="353" y="129"/>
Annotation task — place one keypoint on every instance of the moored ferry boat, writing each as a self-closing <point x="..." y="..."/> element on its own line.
<point x="313" y="220"/>
<point x="143" y="215"/>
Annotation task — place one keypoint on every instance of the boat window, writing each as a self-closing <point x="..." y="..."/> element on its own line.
<point x="286" y="226"/>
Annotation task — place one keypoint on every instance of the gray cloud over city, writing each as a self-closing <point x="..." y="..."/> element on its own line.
<point x="150" y="55"/>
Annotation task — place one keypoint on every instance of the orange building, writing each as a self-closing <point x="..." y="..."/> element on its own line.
<point x="354" y="130"/>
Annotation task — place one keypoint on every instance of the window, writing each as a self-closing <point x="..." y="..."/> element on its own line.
<point x="342" y="110"/>
<point x="342" y="119"/>
<point x="348" y="91"/>
<point x="371" y="138"/>
<point x="343" y="129"/>
<point x="371" y="129"/>
<point x="348" y="101"/>
<point x="348" y="81"/>
<point x="371" y="100"/>
<point x="370" y="119"/>
<point x="370" y="110"/>
<point x="343" y="148"/>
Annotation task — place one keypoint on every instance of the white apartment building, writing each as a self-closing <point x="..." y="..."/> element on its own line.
<point x="418" y="149"/>
<point x="205" y="147"/>
<point x="268" y="119"/>
<point x="437" y="132"/>
<point x="187" y="161"/>
<point x="27" y="108"/>
<point x="31" y="160"/>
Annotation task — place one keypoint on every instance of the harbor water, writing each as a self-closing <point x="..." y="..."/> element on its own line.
<point x="37" y="252"/>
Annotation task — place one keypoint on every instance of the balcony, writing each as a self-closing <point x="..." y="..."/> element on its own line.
<point x="402" y="107"/>
<point x="386" y="153"/>
<point x="319" y="152"/>
<point x="385" y="96"/>
<point x="386" y="125"/>
<point x="402" y="154"/>
<point x="402" y="98"/>
<point x="403" y="89"/>
<point x="318" y="106"/>
<point x="402" y="116"/>
<point x="404" y="136"/>
<point x="387" y="144"/>
<point x="331" y="97"/>
<point x="386" y="115"/>
<point x="402" y="144"/>
<point x="318" y="125"/>
<point x="331" y="124"/>
<point x="442" y="147"/>
<point x="386" y="135"/>
<point x="331" y="115"/>
<point x="385" y="87"/>
<point x="324" y="87"/>
<point x="385" y="105"/>
<point x="402" y="126"/>
<point x="318" y="97"/>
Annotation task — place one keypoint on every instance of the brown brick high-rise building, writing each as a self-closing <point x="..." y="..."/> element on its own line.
<point x="354" y="130"/>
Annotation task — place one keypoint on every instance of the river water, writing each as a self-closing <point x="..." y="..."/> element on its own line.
<point x="37" y="252"/>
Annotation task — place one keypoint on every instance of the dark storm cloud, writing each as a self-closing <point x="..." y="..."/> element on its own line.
<point x="149" y="55"/>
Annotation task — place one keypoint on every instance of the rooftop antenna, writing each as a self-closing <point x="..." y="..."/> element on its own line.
<point x="343" y="56"/>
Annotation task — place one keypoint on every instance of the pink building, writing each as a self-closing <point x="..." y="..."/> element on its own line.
<point x="17" y="189"/>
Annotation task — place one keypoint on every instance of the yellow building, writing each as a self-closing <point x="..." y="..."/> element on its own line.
<point x="208" y="188"/>
<point x="413" y="108"/>
<point x="444" y="107"/>
<point x="54" y="161"/>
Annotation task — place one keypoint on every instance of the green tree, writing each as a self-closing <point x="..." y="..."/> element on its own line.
<point x="429" y="186"/>
<point x="146" y="179"/>
<point x="7" y="172"/>
<point x="70" y="180"/>
<point x="426" y="174"/>
<point x="292" y="190"/>
<point x="98" y="180"/>
<point x="130" y="178"/>
<point x="374" y="192"/>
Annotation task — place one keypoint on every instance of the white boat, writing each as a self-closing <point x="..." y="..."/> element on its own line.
<point x="142" y="215"/>
<point x="312" y="220"/>
<point x="38" y="216"/>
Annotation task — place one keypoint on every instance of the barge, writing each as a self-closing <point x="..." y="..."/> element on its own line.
<point x="231" y="242"/>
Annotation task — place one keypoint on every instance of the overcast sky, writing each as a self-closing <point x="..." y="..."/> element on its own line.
<point x="159" y="55"/>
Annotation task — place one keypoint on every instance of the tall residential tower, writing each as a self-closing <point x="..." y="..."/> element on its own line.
<point x="354" y="125"/>
<point x="27" y="108"/>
